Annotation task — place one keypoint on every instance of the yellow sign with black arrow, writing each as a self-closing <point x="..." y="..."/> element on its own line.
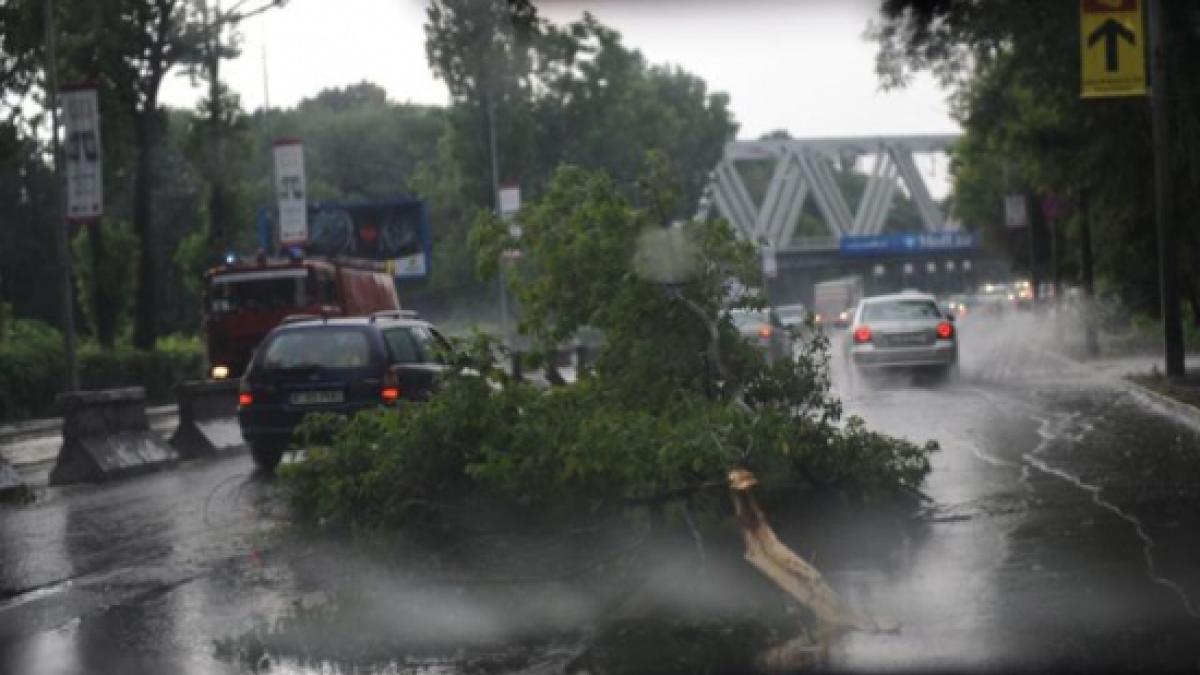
<point x="1112" y="49"/>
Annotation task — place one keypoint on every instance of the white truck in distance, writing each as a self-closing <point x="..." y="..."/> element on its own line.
<point x="834" y="300"/>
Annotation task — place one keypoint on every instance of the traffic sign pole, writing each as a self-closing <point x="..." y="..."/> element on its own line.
<point x="1167" y="265"/>
<point x="66" y="296"/>
<point x="1091" y="337"/>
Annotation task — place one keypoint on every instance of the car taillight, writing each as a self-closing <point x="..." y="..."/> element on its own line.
<point x="945" y="330"/>
<point x="390" y="391"/>
<point x="245" y="398"/>
<point x="764" y="332"/>
<point x="862" y="334"/>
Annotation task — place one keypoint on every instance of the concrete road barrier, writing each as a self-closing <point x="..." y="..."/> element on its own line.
<point x="10" y="481"/>
<point x="208" y="425"/>
<point x="106" y="435"/>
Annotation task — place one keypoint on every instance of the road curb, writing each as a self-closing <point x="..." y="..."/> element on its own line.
<point x="1184" y="413"/>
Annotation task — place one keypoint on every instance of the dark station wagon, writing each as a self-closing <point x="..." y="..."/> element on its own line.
<point x="338" y="365"/>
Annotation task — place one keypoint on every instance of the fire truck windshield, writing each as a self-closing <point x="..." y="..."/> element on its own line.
<point x="275" y="289"/>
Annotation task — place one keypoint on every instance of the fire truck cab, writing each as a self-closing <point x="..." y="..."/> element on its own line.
<point x="244" y="301"/>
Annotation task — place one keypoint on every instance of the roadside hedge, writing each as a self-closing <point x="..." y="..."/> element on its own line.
<point x="32" y="368"/>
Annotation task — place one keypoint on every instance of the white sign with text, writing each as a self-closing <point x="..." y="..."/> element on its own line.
<point x="81" y="154"/>
<point x="291" y="193"/>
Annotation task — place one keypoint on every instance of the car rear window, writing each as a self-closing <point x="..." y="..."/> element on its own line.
<point x="746" y="319"/>
<point x="317" y="348"/>
<point x="901" y="310"/>
<point x="413" y="344"/>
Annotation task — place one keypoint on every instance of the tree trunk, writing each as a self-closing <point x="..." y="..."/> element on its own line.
<point x="1188" y="287"/>
<point x="145" y="325"/>
<point x="104" y="306"/>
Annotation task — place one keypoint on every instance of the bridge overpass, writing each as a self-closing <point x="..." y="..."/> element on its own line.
<point x="940" y="256"/>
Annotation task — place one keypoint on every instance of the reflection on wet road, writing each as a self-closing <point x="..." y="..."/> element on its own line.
<point x="1063" y="530"/>
<point x="137" y="576"/>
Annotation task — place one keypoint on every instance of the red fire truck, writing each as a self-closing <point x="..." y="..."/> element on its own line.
<point x="244" y="301"/>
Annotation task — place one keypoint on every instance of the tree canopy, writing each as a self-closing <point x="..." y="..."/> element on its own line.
<point x="1014" y="72"/>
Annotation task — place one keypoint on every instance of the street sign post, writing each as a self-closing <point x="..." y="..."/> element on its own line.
<point x="770" y="262"/>
<point x="508" y="203"/>
<point x="291" y="193"/>
<point x="1112" y="51"/>
<point x="82" y="153"/>
<point x="1015" y="215"/>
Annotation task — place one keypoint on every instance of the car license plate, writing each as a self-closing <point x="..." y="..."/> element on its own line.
<point x="908" y="339"/>
<point x="317" y="397"/>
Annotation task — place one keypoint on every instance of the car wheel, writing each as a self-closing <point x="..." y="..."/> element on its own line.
<point x="948" y="373"/>
<point x="266" y="455"/>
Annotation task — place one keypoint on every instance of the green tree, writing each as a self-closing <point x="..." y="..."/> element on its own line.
<point x="130" y="46"/>
<point x="603" y="106"/>
<point x="1014" y="68"/>
<point x="561" y="94"/>
<point x="485" y="52"/>
<point x="104" y="279"/>
<point x="679" y="398"/>
<point x="359" y="145"/>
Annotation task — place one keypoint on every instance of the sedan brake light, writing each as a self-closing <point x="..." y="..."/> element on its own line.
<point x="245" y="399"/>
<point x="390" y="391"/>
<point x="945" y="330"/>
<point x="862" y="334"/>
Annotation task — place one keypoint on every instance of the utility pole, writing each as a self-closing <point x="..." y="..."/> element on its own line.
<point x="1034" y="215"/>
<point x="215" y="154"/>
<point x="494" y="161"/>
<point x="66" y="296"/>
<point x="1090" y="337"/>
<point x="1167" y="264"/>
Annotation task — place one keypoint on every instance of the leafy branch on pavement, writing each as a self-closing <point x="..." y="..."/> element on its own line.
<point x="657" y="418"/>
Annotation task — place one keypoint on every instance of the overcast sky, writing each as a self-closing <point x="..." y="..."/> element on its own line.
<point x="799" y="65"/>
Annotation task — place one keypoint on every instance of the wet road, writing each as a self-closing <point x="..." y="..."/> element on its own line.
<point x="137" y="576"/>
<point x="1063" y="531"/>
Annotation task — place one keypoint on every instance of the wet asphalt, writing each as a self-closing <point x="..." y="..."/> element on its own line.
<point x="1062" y="531"/>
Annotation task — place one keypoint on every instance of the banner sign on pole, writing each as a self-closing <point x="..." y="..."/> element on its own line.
<point x="770" y="264"/>
<point x="290" y="193"/>
<point x="510" y="204"/>
<point x="1015" y="213"/>
<point x="81" y="154"/>
<point x="510" y="200"/>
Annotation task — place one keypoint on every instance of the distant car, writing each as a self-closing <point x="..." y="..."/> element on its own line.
<point x="905" y="330"/>
<point x="792" y="316"/>
<point x="957" y="305"/>
<point x="764" y="329"/>
<point x="339" y="365"/>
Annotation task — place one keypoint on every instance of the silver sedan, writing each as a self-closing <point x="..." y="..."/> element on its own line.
<point x="905" y="330"/>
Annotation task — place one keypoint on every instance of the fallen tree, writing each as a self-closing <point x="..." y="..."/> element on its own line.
<point x="676" y="402"/>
